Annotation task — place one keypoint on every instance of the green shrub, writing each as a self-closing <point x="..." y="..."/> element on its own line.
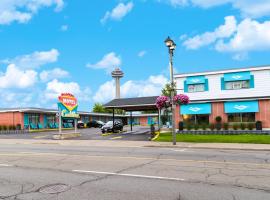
<point x="218" y="119"/>
<point x="189" y="126"/>
<point x="226" y="126"/>
<point x="204" y="126"/>
<point x="4" y="127"/>
<point x="10" y="127"/>
<point x="196" y="126"/>
<point x="251" y="126"/>
<point x="1" y="127"/>
<point x="212" y="127"/>
<point x="218" y="126"/>
<point x="243" y="126"/>
<point x="235" y="126"/>
<point x="18" y="127"/>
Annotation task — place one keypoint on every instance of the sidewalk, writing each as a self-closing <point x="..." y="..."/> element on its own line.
<point x="138" y="144"/>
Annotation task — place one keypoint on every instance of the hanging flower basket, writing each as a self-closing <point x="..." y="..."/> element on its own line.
<point x="181" y="99"/>
<point x="161" y="101"/>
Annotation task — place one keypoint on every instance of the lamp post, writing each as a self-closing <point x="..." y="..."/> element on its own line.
<point x="171" y="46"/>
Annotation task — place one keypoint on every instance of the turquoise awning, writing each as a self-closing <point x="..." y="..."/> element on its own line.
<point x="195" y="80"/>
<point x="198" y="108"/>
<point x="238" y="76"/>
<point x="241" y="107"/>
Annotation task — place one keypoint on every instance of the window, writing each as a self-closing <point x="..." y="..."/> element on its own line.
<point x="196" y="119"/>
<point x="34" y="118"/>
<point x="241" y="117"/>
<point x="51" y="119"/>
<point x="196" y="88"/>
<point x="236" y="85"/>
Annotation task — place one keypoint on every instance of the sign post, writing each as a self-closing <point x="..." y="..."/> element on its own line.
<point x="67" y="107"/>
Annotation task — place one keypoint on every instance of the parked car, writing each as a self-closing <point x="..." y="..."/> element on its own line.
<point x="80" y="124"/>
<point x="95" y="124"/>
<point x="108" y="127"/>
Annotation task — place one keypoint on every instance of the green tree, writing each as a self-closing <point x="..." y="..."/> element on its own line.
<point x="99" y="108"/>
<point x="166" y="91"/>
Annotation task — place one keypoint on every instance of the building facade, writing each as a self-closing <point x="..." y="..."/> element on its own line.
<point x="236" y="95"/>
<point x="38" y="118"/>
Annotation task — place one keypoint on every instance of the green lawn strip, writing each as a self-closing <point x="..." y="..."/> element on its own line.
<point x="110" y="133"/>
<point x="247" y="138"/>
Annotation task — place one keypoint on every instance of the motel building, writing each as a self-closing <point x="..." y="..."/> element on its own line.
<point x="236" y="95"/>
<point x="40" y="118"/>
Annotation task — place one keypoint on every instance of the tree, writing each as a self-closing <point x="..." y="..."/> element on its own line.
<point x="166" y="91"/>
<point x="99" y="108"/>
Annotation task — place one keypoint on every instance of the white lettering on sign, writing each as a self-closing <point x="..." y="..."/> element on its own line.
<point x="69" y="101"/>
<point x="194" y="109"/>
<point x="240" y="107"/>
<point x="236" y="77"/>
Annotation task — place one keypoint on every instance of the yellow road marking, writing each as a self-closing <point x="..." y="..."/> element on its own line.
<point x="39" y="137"/>
<point x="133" y="157"/>
<point x="115" y="138"/>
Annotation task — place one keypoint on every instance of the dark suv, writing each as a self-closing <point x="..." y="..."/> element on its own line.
<point x="108" y="127"/>
<point x="95" y="124"/>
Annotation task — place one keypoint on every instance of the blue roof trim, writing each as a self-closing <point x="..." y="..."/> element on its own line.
<point x="237" y="76"/>
<point x="241" y="107"/>
<point x="196" y="108"/>
<point x="195" y="80"/>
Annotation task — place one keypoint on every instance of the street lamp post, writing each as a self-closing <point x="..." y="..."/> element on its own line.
<point x="171" y="46"/>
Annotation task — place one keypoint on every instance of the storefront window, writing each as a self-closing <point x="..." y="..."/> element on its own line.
<point x="196" y="119"/>
<point x="51" y="118"/>
<point x="196" y="88"/>
<point x="34" y="118"/>
<point x="235" y="85"/>
<point x="241" y="117"/>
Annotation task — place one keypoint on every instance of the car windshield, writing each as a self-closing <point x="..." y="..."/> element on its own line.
<point x="109" y="123"/>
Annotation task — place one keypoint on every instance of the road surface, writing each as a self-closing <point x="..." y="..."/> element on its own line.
<point x="55" y="172"/>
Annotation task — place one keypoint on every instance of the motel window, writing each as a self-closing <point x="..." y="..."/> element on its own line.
<point x="196" y="88"/>
<point x="241" y="117"/>
<point x="196" y="119"/>
<point x="236" y="85"/>
<point x="34" y="118"/>
<point x="51" y="119"/>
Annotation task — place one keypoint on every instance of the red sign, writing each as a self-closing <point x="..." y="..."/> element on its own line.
<point x="68" y="100"/>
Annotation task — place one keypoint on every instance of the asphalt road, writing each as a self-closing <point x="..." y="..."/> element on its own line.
<point x="55" y="172"/>
<point x="139" y="133"/>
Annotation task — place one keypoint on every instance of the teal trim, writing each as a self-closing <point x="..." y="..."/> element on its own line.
<point x="237" y="76"/>
<point x="185" y="86"/>
<point x="26" y="120"/>
<point x="45" y="121"/>
<point x="241" y="107"/>
<point x="206" y="86"/>
<point x="222" y="82"/>
<point x="251" y="82"/>
<point x="196" y="108"/>
<point x="195" y="80"/>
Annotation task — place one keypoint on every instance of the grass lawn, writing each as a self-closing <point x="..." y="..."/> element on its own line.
<point x="253" y="139"/>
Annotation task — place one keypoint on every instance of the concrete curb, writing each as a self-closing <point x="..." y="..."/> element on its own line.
<point x="64" y="136"/>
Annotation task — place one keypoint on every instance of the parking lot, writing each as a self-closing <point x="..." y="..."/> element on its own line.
<point x="139" y="133"/>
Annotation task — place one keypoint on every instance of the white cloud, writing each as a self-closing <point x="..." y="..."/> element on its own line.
<point x="142" y="53"/>
<point x="64" y="28"/>
<point x="35" y="59"/>
<point x="239" y="38"/>
<point x="55" y="73"/>
<point x="131" y="88"/>
<point x="108" y="62"/>
<point x="17" y="78"/>
<point x="120" y="11"/>
<point x="23" y="10"/>
<point x="247" y="8"/>
<point x="251" y="35"/>
<point x="55" y="88"/>
<point x="223" y="31"/>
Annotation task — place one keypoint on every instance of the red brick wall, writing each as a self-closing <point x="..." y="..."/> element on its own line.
<point x="264" y="113"/>
<point x="218" y="110"/>
<point x="178" y="116"/>
<point x="11" y="118"/>
<point x="143" y="121"/>
<point x="42" y="119"/>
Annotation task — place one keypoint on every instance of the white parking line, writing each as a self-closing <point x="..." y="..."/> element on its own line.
<point x="130" y="175"/>
<point x="5" y="165"/>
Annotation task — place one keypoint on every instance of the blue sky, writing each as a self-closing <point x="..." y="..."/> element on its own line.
<point x="53" y="46"/>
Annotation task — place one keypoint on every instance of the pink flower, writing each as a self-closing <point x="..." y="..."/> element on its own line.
<point x="161" y="101"/>
<point x="181" y="99"/>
